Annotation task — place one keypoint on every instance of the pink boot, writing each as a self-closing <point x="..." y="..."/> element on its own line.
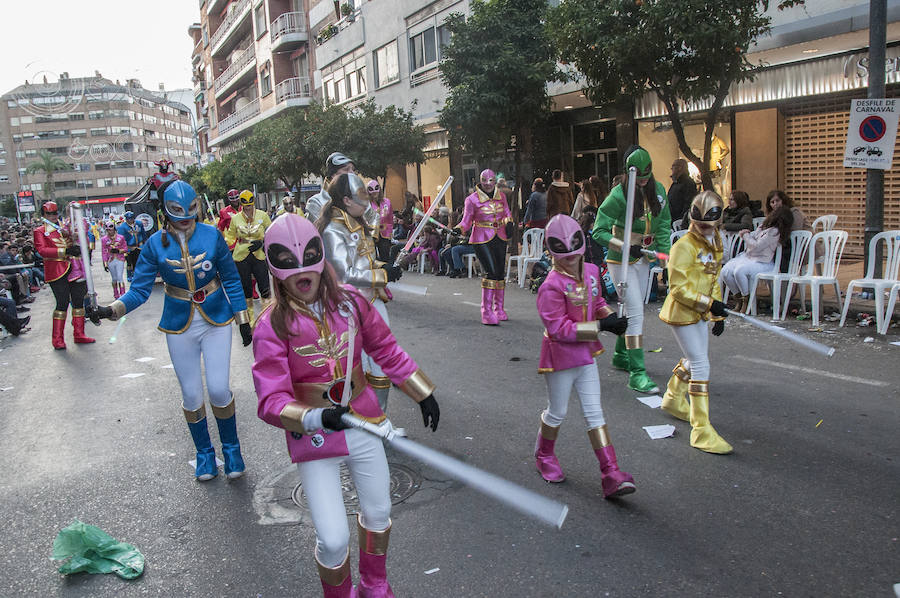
<point x="373" y="547"/>
<point x="336" y="583"/>
<point x="546" y="461"/>
<point x="498" y="302"/>
<point x="613" y="481"/>
<point x="488" y="316"/>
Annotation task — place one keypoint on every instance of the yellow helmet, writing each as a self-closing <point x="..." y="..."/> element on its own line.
<point x="246" y="198"/>
<point x="707" y="208"/>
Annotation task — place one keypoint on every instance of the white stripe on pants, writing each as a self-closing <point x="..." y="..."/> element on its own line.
<point x="368" y="363"/>
<point x="321" y="481"/>
<point x="586" y="381"/>
<point x="694" y="342"/>
<point x="117" y="270"/>
<point x="738" y="273"/>
<point x="185" y="349"/>
<point x="638" y="279"/>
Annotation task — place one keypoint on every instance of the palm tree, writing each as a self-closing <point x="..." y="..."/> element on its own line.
<point x="48" y="163"/>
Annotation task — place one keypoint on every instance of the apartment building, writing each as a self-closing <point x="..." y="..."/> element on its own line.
<point x="108" y="132"/>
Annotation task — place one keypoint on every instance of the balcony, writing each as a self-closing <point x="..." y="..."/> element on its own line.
<point x="215" y="6"/>
<point x="196" y="55"/>
<point x="289" y="31"/>
<point x="203" y="125"/>
<point x="347" y="36"/>
<point x="243" y="64"/>
<point x="199" y="88"/>
<point x="295" y="87"/>
<point x="239" y="117"/>
<point x="232" y="26"/>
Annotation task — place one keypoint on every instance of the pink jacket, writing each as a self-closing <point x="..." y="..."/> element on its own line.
<point x="488" y="215"/>
<point x="385" y="218"/>
<point x="309" y="356"/>
<point x="570" y="310"/>
<point x="760" y="244"/>
<point x="106" y="245"/>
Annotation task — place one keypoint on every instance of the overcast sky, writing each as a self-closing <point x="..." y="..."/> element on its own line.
<point x="122" y="39"/>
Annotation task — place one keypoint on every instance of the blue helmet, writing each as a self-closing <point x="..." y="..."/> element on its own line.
<point x="129" y="215"/>
<point x="180" y="201"/>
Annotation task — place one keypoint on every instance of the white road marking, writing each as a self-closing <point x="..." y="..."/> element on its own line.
<point x="471" y="303"/>
<point x="797" y="368"/>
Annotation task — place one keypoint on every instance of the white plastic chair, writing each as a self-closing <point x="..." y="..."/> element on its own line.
<point x="826" y="222"/>
<point x="799" y="244"/>
<point x="657" y="270"/>
<point x="757" y="222"/>
<point x="832" y="247"/>
<point x="891" y="239"/>
<point x="532" y="245"/>
<point x="677" y="225"/>
<point x="732" y="246"/>
<point x="892" y="301"/>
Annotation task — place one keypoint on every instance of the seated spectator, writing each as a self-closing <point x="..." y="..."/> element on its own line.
<point x="10" y="320"/>
<point x="737" y="216"/>
<point x="428" y="243"/>
<point x="777" y="198"/>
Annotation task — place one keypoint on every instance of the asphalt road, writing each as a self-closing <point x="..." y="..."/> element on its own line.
<point x="806" y="506"/>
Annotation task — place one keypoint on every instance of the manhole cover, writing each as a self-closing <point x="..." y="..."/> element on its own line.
<point x="404" y="483"/>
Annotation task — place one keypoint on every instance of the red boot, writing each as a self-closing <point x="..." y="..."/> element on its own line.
<point x="488" y="315"/>
<point x="78" y="327"/>
<point x="336" y="583"/>
<point x="373" y="547"/>
<point x="59" y="329"/>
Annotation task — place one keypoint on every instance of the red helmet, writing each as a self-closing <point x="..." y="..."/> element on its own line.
<point x="233" y="194"/>
<point x="49" y="207"/>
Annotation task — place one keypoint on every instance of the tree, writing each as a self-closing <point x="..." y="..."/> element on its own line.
<point x="686" y="51"/>
<point x="193" y="176"/>
<point x="497" y="66"/>
<point x="8" y="207"/>
<point x="381" y="137"/>
<point x="48" y="164"/>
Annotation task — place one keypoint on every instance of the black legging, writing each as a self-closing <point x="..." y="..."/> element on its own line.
<point x="383" y="250"/>
<point x="67" y="292"/>
<point x="492" y="255"/>
<point x="251" y="266"/>
<point x="131" y="258"/>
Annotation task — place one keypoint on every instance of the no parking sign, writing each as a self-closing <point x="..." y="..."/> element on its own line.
<point x="871" y="134"/>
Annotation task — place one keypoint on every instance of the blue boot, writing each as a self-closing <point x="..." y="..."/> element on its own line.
<point x="231" y="446"/>
<point x="206" y="456"/>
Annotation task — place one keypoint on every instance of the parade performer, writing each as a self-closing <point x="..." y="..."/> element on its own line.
<point x="487" y="214"/>
<point x="64" y="272"/>
<point x="573" y="311"/>
<point x="350" y="249"/>
<point x="134" y="234"/>
<point x="650" y="230"/>
<point x="233" y="207"/>
<point x="694" y="298"/>
<point x="162" y="176"/>
<point x="336" y="164"/>
<point x="385" y="228"/>
<point x="245" y="237"/>
<point x="113" y="249"/>
<point x="202" y="296"/>
<point x="308" y="349"/>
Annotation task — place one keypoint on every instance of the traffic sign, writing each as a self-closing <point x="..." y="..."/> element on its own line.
<point x="872" y="129"/>
<point x="871" y="134"/>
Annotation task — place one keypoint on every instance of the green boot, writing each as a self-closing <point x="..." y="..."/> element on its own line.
<point x="620" y="357"/>
<point x="638" y="380"/>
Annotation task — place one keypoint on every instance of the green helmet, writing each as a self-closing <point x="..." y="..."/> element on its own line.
<point x="640" y="159"/>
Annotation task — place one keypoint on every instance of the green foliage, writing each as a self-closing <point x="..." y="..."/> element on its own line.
<point x="8" y="207"/>
<point x="193" y="176"/>
<point x="380" y="137"/>
<point x="48" y="164"/>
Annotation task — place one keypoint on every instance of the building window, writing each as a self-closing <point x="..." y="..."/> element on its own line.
<point x="78" y="132"/>
<point x="387" y="64"/>
<point x="95" y="114"/>
<point x="443" y="39"/>
<point x="265" y="81"/>
<point x="205" y="36"/>
<point x="98" y="132"/>
<point x="422" y="49"/>
<point x="259" y="15"/>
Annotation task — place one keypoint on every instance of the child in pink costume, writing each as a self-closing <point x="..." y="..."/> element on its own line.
<point x="113" y="249"/>
<point x="574" y="312"/>
<point x="302" y="349"/>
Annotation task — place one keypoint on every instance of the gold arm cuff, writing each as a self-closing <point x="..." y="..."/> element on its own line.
<point x="292" y="417"/>
<point x="61" y="252"/>
<point x="60" y="314"/>
<point x="681" y="372"/>
<point x="193" y="417"/>
<point x="587" y="331"/>
<point x="378" y="381"/>
<point x="548" y="432"/>
<point x="242" y="317"/>
<point x="606" y="311"/>
<point x="703" y="303"/>
<point x="599" y="437"/>
<point x="379" y="277"/>
<point x="118" y="309"/>
<point x="334" y="577"/>
<point x="418" y="386"/>
<point x="224" y="412"/>
<point x="373" y="542"/>
<point x="698" y="387"/>
<point x="634" y="341"/>
<point x="77" y="312"/>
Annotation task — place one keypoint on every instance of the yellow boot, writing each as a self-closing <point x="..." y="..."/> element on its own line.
<point x="250" y="309"/>
<point x="703" y="435"/>
<point x="675" y="398"/>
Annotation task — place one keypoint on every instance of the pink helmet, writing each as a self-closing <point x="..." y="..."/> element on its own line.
<point x="293" y="245"/>
<point x="488" y="180"/>
<point x="564" y="237"/>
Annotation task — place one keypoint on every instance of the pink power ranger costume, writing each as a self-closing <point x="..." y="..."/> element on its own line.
<point x="300" y="380"/>
<point x="385" y="228"/>
<point x="487" y="214"/>
<point x="113" y="250"/>
<point x="574" y="312"/>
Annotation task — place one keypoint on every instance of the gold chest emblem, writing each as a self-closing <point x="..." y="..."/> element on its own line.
<point x="190" y="262"/>
<point x="326" y="351"/>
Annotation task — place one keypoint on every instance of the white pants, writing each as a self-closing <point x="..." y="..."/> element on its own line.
<point x="185" y="349"/>
<point x="738" y="273"/>
<point x="694" y="342"/>
<point x="117" y="270"/>
<point x="368" y="363"/>
<point x="586" y="381"/>
<point x="638" y="279"/>
<point x="321" y="483"/>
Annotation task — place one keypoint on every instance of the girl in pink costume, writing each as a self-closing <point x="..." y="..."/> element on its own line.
<point x="574" y="312"/>
<point x="304" y="346"/>
<point x="113" y="249"/>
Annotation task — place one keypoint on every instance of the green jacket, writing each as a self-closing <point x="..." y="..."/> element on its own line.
<point x="612" y="214"/>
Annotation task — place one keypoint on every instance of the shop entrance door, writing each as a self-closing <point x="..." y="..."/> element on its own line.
<point x="603" y="163"/>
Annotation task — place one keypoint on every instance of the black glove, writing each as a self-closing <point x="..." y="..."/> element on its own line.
<point x="636" y="251"/>
<point x="393" y="272"/>
<point x="718" y="328"/>
<point x="456" y="231"/>
<point x="718" y="309"/>
<point x="105" y="268"/>
<point x="255" y="246"/>
<point x="98" y="313"/>
<point x="430" y="410"/>
<point x="510" y="227"/>
<point x="113" y="250"/>
<point x="615" y="324"/>
<point x="246" y="333"/>
<point x="73" y="251"/>
<point x="331" y="418"/>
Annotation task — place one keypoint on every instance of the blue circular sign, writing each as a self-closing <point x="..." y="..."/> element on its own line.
<point x="872" y="128"/>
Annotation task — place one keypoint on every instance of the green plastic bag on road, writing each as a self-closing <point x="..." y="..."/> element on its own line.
<point x="91" y="550"/>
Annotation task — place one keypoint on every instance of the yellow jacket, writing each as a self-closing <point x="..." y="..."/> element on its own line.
<point x="694" y="267"/>
<point x="242" y="232"/>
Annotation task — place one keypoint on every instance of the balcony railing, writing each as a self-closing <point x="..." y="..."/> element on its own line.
<point x="289" y="22"/>
<point x="248" y="56"/>
<point x="238" y="117"/>
<point x="295" y="87"/>
<point x="233" y="17"/>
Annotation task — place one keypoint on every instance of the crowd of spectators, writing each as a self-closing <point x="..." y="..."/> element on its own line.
<point x="21" y="275"/>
